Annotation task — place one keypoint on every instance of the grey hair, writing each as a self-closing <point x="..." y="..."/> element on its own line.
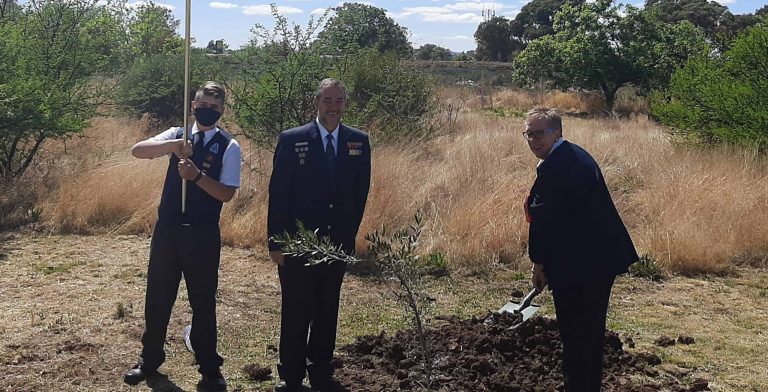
<point x="330" y="82"/>
<point x="553" y="119"/>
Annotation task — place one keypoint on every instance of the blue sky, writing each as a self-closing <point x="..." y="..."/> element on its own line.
<point x="447" y="23"/>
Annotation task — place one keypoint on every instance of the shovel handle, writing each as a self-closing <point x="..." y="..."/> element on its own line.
<point x="528" y="298"/>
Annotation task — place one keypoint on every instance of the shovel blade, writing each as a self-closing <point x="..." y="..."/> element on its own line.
<point x="512" y="307"/>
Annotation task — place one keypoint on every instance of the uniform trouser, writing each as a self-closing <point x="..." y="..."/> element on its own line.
<point x="310" y="309"/>
<point x="581" y="313"/>
<point x="194" y="252"/>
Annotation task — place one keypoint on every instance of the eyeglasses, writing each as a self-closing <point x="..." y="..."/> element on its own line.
<point x="537" y="134"/>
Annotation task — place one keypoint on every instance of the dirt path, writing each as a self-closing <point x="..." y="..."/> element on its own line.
<point x="71" y="316"/>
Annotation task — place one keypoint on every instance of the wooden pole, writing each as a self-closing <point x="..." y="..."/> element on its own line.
<point x="187" y="43"/>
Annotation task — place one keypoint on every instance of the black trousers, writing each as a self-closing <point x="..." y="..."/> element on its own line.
<point x="309" y="316"/>
<point x="194" y="252"/>
<point x="581" y="313"/>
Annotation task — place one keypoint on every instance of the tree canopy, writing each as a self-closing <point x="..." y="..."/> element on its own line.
<point x="494" y="40"/>
<point x="432" y="52"/>
<point x="602" y="46"/>
<point x="52" y="52"/>
<point x="536" y="18"/>
<point x="152" y="30"/>
<point x="357" y="26"/>
<point x="721" y="99"/>
<point x="719" y="24"/>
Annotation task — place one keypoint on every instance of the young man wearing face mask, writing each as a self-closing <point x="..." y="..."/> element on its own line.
<point x="189" y="243"/>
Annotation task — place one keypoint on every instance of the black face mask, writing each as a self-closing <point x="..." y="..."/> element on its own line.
<point x="207" y="116"/>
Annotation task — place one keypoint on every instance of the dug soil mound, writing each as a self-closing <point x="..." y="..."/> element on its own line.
<point x="482" y="354"/>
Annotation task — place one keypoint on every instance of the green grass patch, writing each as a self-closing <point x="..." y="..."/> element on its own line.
<point x="505" y="112"/>
<point x="57" y="269"/>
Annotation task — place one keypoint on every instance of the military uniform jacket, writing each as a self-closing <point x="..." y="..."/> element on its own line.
<point x="575" y="230"/>
<point x="303" y="188"/>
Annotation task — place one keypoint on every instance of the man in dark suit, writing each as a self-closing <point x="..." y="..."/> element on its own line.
<point x="321" y="175"/>
<point x="577" y="243"/>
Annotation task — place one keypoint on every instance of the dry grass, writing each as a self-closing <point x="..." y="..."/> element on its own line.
<point x="692" y="211"/>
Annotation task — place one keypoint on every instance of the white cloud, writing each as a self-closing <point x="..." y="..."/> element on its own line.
<point x="474" y="6"/>
<point x="318" y="11"/>
<point x="137" y="4"/>
<point x="460" y="12"/>
<point x="222" y="6"/>
<point x="438" y="14"/>
<point x="264" y="9"/>
<point x="458" y="37"/>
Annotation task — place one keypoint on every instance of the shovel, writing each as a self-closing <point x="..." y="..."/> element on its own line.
<point x="525" y="308"/>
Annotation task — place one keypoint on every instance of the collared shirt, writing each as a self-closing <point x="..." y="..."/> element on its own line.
<point x="324" y="133"/>
<point x="557" y="144"/>
<point x="230" y="169"/>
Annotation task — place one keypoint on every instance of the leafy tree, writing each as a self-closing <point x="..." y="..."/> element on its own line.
<point x="536" y="18"/>
<point x="432" y="52"/>
<point x="600" y="46"/>
<point x="357" y="26"/>
<point x="721" y="99"/>
<point x="719" y="24"/>
<point x="152" y="30"/>
<point x="155" y="85"/>
<point x="275" y="87"/>
<point x="494" y="40"/>
<point x="48" y="88"/>
<point x="153" y="82"/>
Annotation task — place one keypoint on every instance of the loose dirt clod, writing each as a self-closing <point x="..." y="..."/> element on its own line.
<point x="483" y="354"/>
<point x="258" y="373"/>
<point x="664" y="341"/>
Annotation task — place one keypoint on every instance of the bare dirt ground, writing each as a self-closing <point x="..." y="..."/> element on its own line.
<point x="71" y="316"/>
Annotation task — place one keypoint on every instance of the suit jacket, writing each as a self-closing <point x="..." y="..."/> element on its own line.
<point x="302" y="187"/>
<point x="575" y="230"/>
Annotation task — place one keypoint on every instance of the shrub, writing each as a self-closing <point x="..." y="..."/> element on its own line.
<point x="389" y="98"/>
<point x="155" y="85"/>
<point x="721" y="99"/>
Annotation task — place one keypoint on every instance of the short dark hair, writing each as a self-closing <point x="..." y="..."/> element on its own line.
<point x="330" y="82"/>
<point x="211" y="89"/>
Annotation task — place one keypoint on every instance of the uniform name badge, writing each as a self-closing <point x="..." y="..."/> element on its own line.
<point x="355" y="148"/>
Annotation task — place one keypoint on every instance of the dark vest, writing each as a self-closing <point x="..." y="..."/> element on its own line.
<point x="201" y="208"/>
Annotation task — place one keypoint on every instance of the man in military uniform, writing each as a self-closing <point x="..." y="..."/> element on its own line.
<point x="320" y="176"/>
<point x="189" y="243"/>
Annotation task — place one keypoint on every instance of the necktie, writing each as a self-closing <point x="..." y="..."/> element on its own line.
<point x="330" y="152"/>
<point x="199" y="148"/>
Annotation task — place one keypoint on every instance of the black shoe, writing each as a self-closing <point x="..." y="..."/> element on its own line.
<point x="283" y="386"/>
<point x="328" y="385"/>
<point x="138" y="374"/>
<point x="213" y="382"/>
